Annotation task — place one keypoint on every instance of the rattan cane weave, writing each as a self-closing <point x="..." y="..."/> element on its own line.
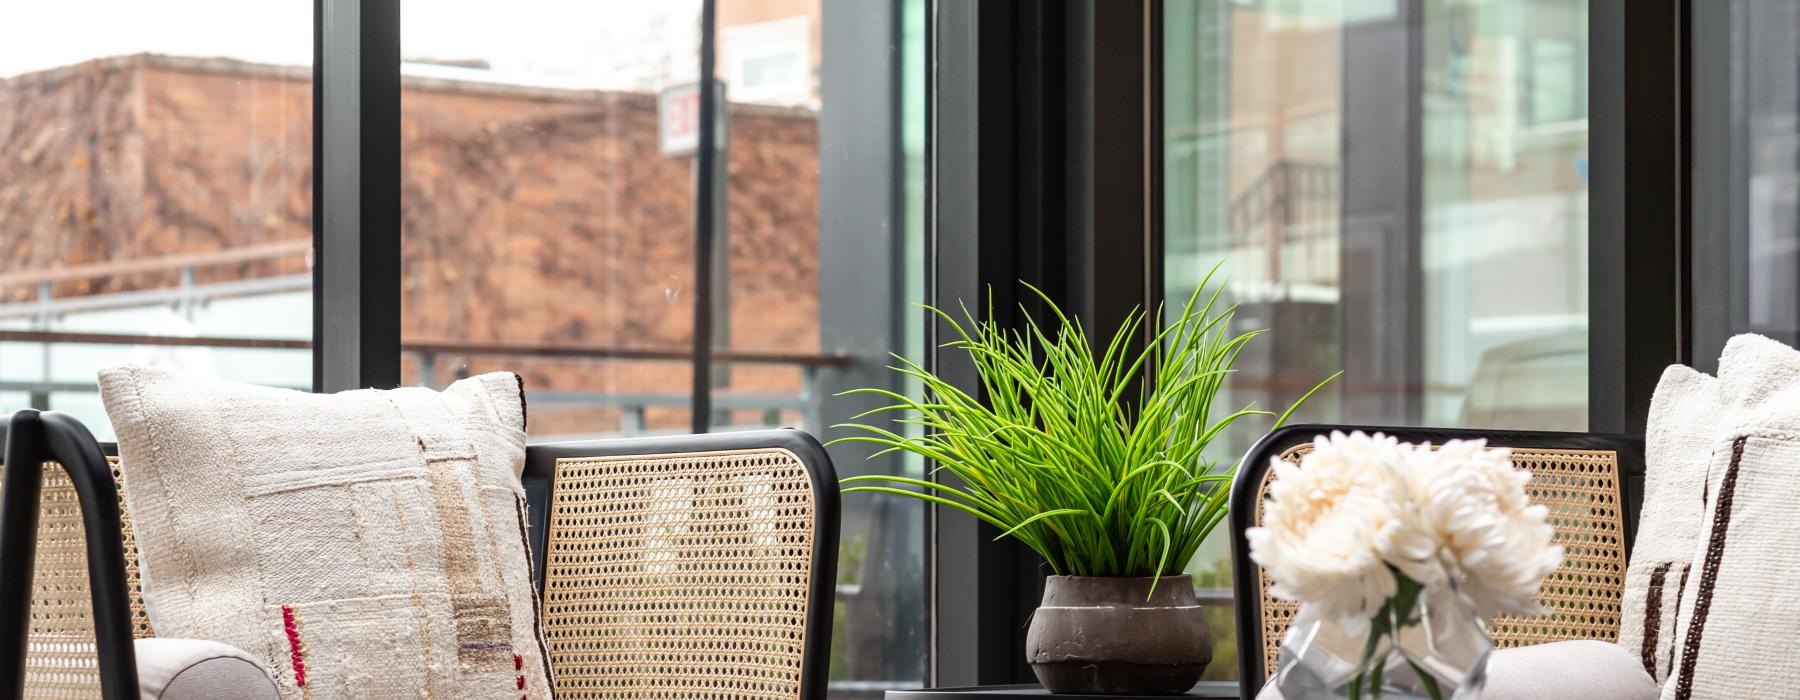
<point x="679" y="576"/>
<point x="60" y="658"/>
<point x="1581" y="489"/>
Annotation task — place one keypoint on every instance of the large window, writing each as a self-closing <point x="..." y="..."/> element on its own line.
<point x="549" y="227"/>
<point x="155" y="194"/>
<point x="1396" y="189"/>
<point x="157" y="206"/>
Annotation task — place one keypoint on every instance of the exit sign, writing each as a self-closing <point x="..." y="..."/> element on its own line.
<point x="678" y="118"/>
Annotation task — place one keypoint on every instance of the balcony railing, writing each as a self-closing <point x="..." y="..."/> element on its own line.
<point x="633" y="405"/>
<point x="45" y="309"/>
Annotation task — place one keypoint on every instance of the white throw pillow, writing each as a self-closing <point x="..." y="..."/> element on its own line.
<point x="1677" y="446"/>
<point x="362" y="544"/>
<point x="1730" y="639"/>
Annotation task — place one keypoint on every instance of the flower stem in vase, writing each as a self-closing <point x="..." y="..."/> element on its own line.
<point x="1425" y="679"/>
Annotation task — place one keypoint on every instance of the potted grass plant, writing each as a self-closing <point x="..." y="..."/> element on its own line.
<point x="1114" y="487"/>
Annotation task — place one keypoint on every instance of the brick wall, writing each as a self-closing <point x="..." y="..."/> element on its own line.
<point x="529" y="215"/>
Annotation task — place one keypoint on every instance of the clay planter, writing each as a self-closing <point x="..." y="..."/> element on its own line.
<point x="1112" y="636"/>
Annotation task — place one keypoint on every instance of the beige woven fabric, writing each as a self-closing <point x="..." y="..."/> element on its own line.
<point x="60" y="659"/>
<point x="1678" y="444"/>
<point x="679" y="576"/>
<point x="363" y="544"/>
<point x="1581" y="489"/>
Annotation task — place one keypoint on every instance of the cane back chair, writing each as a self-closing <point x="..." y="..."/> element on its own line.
<point x="692" y="566"/>
<point x="1592" y="484"/>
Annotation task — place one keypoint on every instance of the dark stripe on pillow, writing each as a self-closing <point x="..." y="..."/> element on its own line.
<point x="1680" y="590"/>
<point x="1653" y="618"/>
<point x="1709" y="575"/>
<point x="537" y="604"/>
<point x="524" y="412"/>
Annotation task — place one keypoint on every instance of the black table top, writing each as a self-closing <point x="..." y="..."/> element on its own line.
<point x="1206" y="689"/>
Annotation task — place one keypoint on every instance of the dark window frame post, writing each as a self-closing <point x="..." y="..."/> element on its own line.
<point x="356" y="194"/>
<point x="706" y="182"/>
<point x="971" y="630"/>
<point x="1041" y="172"/>
<point x="1637" y="227"/>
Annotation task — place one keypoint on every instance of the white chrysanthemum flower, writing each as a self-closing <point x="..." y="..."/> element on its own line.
<point x="1491" y="539"/>
<point x="1332" y="522"/>
<point x="1360" y="508"/>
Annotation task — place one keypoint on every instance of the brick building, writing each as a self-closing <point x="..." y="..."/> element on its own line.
<point x="531" y="215"/>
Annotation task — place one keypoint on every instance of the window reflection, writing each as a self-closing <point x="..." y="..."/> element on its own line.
<point x="1746" y="232"/>
<point x="1398" y="190"/>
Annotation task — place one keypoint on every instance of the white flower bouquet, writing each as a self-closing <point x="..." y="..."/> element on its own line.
<point x="1368" y="534"/>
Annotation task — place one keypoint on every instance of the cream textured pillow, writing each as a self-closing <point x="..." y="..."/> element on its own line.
<point x="1730" y="639"/>
<point x="363" y="544"/>
<point x="1678" y="444"/>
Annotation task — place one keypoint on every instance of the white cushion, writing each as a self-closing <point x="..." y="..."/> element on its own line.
<point x="1733" y="638"/>
<point x="196" y="669"/>
<point x="1678" y="444"/>
<point x="362" y="544"/>
<point x="1693" y="420"/>
<point x="1577" y="670"/>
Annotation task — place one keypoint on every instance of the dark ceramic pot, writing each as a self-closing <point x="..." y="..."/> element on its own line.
<point x="1114" y="636"/>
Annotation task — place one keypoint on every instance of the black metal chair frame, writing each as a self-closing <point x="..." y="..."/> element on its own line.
<point x="34" y="437"/>
<point x="1247" y="487"/>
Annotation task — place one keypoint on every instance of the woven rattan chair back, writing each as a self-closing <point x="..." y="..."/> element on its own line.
<point x="60" y="659"/>
<point x="690" y="567"/>
<point x="1584" y="485"/>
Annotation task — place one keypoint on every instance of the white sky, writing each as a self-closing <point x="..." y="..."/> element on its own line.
<point x="596" y="43"/>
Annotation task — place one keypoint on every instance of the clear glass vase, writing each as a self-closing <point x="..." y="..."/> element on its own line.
<point x="1428" y="645"/>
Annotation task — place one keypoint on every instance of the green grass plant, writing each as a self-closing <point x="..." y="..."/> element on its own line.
<point x="1056" y="456"/>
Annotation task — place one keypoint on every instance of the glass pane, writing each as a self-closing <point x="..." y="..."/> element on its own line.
<point x="548" y="228"/>
<point x="1396" y="189"/>
<point x="544" y="231"/>
<point x="824" y="263"/>
<point x="1746" y="180"/>
<point x="155" y="195"/>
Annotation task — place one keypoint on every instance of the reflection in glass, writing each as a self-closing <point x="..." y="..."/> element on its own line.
<point x="1746" y="232"/>
<point x="1398" y="190"/>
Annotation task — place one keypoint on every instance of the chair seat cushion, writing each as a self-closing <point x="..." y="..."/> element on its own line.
<point x="1577" y="670"/>
<point x="196" y="669"/>
<point x="361" y="544"/>
<point x="1582" y="669"/>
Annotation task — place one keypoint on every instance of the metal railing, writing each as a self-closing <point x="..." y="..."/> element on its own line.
<point x="186" y="295"/>
<point x="634" y="405"/>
